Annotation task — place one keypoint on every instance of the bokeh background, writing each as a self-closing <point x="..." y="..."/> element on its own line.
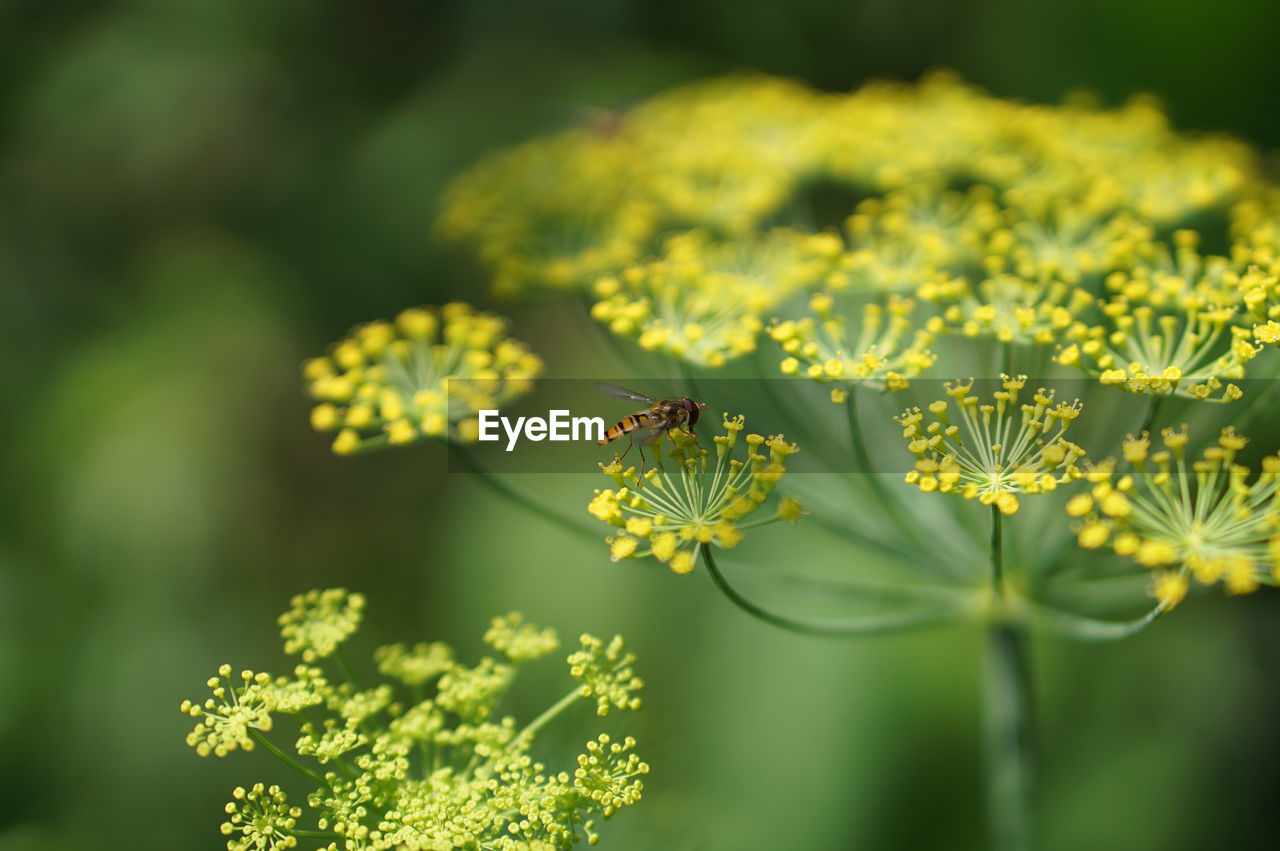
<point x="196" y="195"/>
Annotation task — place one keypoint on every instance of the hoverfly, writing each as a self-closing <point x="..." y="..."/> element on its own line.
<point x="650" y="426"/>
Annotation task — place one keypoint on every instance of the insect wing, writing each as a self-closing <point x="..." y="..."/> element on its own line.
<point x="649" y="433"/>
<point x="613" y="391"/>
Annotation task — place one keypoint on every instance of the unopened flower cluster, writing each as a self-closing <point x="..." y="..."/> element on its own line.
<point x="703" y="216"/>
<point x="419" y="760"/>
<point x="695" y="496"/>
<point x="426" y="374"/>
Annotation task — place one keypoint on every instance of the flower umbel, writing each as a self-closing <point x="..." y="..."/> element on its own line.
<point x="262" y="817"/>
<point x="883" y="353"/>
<point x="997" y="450"/>
<point x="667" y="515"/>
<point x="425" y="375"/>
<point x="1176" y="324"/>
<point x="318" y="622"/>
<point x="1185" y="518"/>
<point x="702" y="300"/>
<point x="401" y="766"/>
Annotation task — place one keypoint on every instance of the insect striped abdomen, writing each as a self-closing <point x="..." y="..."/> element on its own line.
<point x="626" y="426"/>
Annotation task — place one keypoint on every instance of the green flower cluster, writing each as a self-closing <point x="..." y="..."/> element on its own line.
<point x="419" y="760"/>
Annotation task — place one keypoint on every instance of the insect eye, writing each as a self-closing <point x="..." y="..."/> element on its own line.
<point x="693" y="410"/>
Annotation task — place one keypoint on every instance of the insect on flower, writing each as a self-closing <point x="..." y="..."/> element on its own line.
<point x="650" y="426"/>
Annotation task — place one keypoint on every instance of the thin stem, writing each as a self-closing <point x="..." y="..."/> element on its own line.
<point x="1152" y="410"/>
<point x="552" y="711"/>
<point x="882" y="497"/>
<point x="870" y="625"/>
<point x="997" y="551"/>
<point x="1007" y="733"/>
<point x="523" y="500"/>
<point x="1007" y="739"/>
<point x="828" y="586"/>
<point x="1091" y="629"/>
<point x="314" y="834"/>
<point x="880" y="494"/>
<point x="1265" y="404"/>
<point x="859" y="448"/>
<point x="286" y="759"/>
<point x="344" y="667"/>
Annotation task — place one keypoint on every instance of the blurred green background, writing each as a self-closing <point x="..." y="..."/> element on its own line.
<point x="197" y="195"/>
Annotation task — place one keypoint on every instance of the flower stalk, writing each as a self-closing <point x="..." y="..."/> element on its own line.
<point x="880" y="624"/>
<point x="1007" y="734"/>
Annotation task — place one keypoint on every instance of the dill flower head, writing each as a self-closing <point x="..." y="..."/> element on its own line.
<point x="229" y="718"/>
<point x="1124" y="158"/>
<point x="318" y="622"/>
<point x="554" y="213"/>
<point x="424" y="761"/>
<point x="736" y="154"/>
<point x="997" y="449"/>
<point x="702" y="300"/>
<point x="1255" y="227"/>
<point x="1004" y="306"/>
<point x="1175" y="324"/>
<point x="887" y="135"/>
<point x="884" y="351"/>
<point x="520" y="641"/>
<point x="913" y="235"/>
<point x="606" y="674"/>
<point x="1065" y="241"/>
<point x="260" y="818"/>
<point x="704" y="500"/>
<point x="1181" y="517"/>
<point x="725" y="153"/>
<point x="425" y="375"/>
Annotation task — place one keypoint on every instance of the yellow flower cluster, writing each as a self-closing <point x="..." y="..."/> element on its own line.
<point x="425" y="375"/>
<point x="962" y="215"/>
<point x="1183" y="517"/>
<point x="731" y="154"/>
<point x="667" y="515"/>
<point x="996" y="450"/>
<point x="553" y="213"/>
<point x="883" y="353"/>
<point x="1176" y="323"/>
<point x="913" y="234"/>
<point x="702" y="300"/>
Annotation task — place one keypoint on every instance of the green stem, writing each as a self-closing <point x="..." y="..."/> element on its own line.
<point x="1091" y="629"/>
<point x="997" y="551"/>
<point x="1007" y="734"/>
<point x="344" y="667"/>
<point x="314" y="834"/>
<point x="1264" y="404"/>
<point x="286" y="759"/>
<point x="861" y="589"/>
<point x="552" y="711"/>
<point x="507" y="492"/>
<point x="869" y="625"/>
<point x="859" y="447"/>
<point x="883" y="498"/>
<point x="880" y="494"/>
<point x="1152" y="410"/>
